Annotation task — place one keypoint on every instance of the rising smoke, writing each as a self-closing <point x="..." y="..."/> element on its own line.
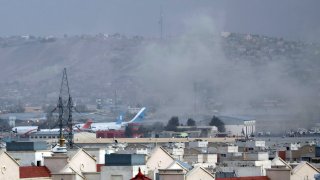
<point x="192" y="73"/>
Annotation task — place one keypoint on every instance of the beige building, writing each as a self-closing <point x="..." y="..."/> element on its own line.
<point x="282" y="170"/>
<point x="197" y="173"/>
<point x="97" y="153"/>
<point x="201" y="159"/>
<point x="120" y="172"/>
<point x="158" y="159"/>
<point x="9" y="167"/>
<point x="171" y="174"/>
<point x="29" y="158"/>
<point x="123" y="166"/>
<point x="180" y="165"/>
<point x="72" y="166"/>
<point x="304" y="171"/>
<point x="304" y="153"/>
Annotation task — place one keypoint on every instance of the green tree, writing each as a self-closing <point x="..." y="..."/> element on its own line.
<point x="191" y="122"/>
<point x="172" y="124"/>
<point x="215" y="121"/>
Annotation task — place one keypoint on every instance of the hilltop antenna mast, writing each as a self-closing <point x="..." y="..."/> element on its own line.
<point x="116" y="110"/>
<point x="161" y="24"/>
<point x="65" y="106"/>
<point x="195" y="100"/>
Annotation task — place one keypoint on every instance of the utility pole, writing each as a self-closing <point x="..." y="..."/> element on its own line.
<point x="65" y="107"/>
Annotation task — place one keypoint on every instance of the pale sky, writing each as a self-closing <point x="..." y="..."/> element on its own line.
<point x="291" y="19"/>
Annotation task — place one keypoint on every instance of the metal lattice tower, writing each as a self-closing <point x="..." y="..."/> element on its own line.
<point x="65" y="106"/>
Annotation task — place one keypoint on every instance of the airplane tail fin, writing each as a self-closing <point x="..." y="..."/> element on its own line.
<point x="139" y="116"/>
<point x="119" y="119"/>
<point x="87" y="124"/>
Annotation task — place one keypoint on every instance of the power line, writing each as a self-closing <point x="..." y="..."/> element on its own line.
<point x="65" y="107"/>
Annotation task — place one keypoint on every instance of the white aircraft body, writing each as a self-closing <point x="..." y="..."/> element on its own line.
<point x="84" y="127"/>
<point x="24" y="129"/>
<point x="88" y="126"/>
<point x="118" y="124"/>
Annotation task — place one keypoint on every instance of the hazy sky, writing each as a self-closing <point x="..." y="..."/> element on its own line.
<point x="293" y="19"/>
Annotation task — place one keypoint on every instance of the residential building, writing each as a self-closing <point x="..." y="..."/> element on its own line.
<point x="29" y="153"/>
<point x="75" y="164"/>
<point x="282" y="170"/>
<point x="122" y="166"/>
<point x="9" y="167"/>
<point x="158" y="159"/>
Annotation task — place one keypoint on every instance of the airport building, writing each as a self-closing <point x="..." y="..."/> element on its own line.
<point x="239" y="126"/>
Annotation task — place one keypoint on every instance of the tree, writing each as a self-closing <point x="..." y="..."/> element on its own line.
<point x="215" y="121"/>
<point x="191" y="122"/>
<point x="172" y="124"/>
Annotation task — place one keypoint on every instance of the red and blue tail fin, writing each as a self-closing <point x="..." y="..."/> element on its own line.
<point x="87" y="125"/>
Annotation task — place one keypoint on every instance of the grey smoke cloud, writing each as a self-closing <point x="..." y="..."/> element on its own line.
<point x="172" y="68"/>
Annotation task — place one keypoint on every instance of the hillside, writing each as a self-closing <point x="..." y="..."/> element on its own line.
<point x="194" y="73"/>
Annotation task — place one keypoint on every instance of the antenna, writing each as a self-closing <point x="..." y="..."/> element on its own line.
<point x="161" y="24"/>
<point x="195" y="100"/>
<point x="115" y="102"/>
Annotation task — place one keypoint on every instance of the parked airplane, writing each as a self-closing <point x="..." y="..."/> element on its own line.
<point x="84" y="127"/>
<point x="24" y="129"/>
<point x="88" y="126"/>
<point x="116" y="125"/>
